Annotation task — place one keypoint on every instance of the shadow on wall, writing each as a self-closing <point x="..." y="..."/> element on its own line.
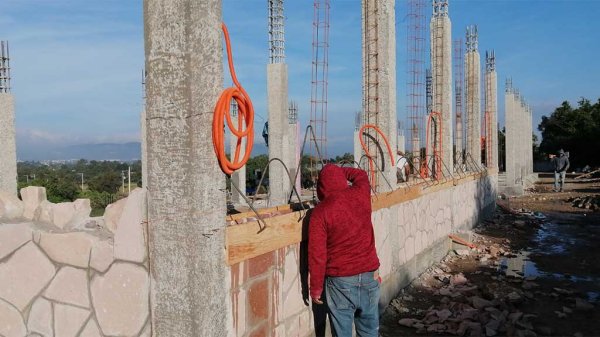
<point x="319" y="311"/>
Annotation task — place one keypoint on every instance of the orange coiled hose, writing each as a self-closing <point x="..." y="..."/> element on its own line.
<point x="245" y="122"/>
<point x="371" y="160"/>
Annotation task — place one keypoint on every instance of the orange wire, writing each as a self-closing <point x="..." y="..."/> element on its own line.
<point x="371" y="160"/>
<point x="222" y="113"/>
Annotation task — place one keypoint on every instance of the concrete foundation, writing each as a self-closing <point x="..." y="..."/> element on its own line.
<point x="382" y="81"/>
<point x="8" y="151"/>
<point x="441" y="72"/>
<point x="186" y="202"/>
<point x="277" y="96"/>
<point x="473" y="106"/>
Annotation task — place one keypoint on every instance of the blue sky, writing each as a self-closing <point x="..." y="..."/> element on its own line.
<point x="77" y="64"/>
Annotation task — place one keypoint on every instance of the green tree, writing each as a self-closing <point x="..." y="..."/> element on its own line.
<point x="576" y="130"/>
<point x="106" y="182"/>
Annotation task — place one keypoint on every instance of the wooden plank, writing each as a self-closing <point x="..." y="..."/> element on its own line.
<point x="587" y="174"/>
<point x="243" y="241"/>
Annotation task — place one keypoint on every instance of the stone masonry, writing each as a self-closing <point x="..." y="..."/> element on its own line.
<point x="8" y="152"/>
<point x="55" y="282"/>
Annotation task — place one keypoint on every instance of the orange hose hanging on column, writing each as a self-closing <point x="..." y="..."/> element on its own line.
<point x="371" y="160"/>
<point x="437" y="152"/>
<point x="245" y="122"/>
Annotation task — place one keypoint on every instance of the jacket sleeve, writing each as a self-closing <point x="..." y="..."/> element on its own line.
<point x="317" y="255"/>
<point x="358" y="178"/>
<point x="567" y="164"/>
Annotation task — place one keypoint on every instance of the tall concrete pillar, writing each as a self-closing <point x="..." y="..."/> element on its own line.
<point x="513" y="124"/>
<point x="277" y="96"/>
<point x="8" y="150"/>
<point x="293" y="135"/>
<point x="530" y="145"/>
<point x="144" y="148"/>
<point x="379" y="87"/>
<point x="186" y="199"/>
<point x="441" y="72"/>
<point x="491" y="80"/>
<point x="473" y="96"/>
<point x="238" y="177"/>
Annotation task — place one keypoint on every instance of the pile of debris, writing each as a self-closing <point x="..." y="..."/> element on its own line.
<point x="591" y="202"/>
<point x="463" y="308"/>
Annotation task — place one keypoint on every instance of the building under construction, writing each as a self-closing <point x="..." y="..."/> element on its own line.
<point x="191" y="254"/>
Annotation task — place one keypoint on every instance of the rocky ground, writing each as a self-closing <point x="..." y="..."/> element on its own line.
<point x="534" y="272"/>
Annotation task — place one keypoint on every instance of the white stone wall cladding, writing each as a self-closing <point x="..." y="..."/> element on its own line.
<point x="130" y="238"/>
<point x="32" y="197"/>
<point x="11" y="207"/>
<point x="73" y="284"/>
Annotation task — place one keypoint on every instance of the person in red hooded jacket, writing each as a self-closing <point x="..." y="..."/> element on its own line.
<point x="341" y="251"/>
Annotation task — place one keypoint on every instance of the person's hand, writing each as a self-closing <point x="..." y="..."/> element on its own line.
<point x="317" y="301"/>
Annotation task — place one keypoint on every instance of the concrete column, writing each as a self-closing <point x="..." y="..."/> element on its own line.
<point x="239" y="176"/>
<point x="473" y="108"/>
<point x="383" y="18"/>
<point x="441" y="72"/>
<point x="293" y="155"/>
<point x="513" y="138"/>
<point x="357" y="148"/>
<point x="530" y="148"/>
<point x="8" y="150"/>
<point x="277" y="97"/>
<point x="186" y="211"/>
<point x="401" y="146"/>
<point x="492" y="107"/>
<point x="144" y="148"/>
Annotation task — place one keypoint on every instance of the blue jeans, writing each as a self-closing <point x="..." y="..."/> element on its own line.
<point x="559" y="176"/>
<point x="354" y="299"/>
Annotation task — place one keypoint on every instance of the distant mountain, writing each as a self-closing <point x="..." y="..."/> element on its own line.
<point x="105" y="151"/>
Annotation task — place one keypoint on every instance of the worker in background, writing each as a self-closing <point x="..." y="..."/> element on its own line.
<point x="265" y="134"/>
<point x="341" y="252"/>
<point x="561" y="165"/>
<point x="401" y="167"/>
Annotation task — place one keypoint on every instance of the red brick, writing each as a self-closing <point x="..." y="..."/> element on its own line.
<point x="259" y="301"/>
<point x="260" y="264"/>
<point x="260" y="332"/>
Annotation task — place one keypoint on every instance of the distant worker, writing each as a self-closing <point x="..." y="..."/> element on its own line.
<point x="265" y="134"/>
<point x="401" y="168"/>
<point x="341" y="252"/>
<point x="561" y="165"/>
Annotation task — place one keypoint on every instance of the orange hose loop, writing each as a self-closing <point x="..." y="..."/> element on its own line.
<point x="371" y="160"/>
<point x="245" y="122"/>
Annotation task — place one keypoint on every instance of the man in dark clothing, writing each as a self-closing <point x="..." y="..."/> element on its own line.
<point x="561" y="165"/>
<point x="341" y="251"/>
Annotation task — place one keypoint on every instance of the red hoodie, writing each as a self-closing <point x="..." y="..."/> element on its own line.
<point x="340" y="235"/>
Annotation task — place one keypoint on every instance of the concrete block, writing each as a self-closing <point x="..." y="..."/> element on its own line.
<point x="130" y="239"/>
<point x="120" y="299"/>
<point x="11" y="322"/>
<point x="13" y="236"/>
<point x="70" y="286"/>
<point x="69" y="248"/>
<point x="112" y="214"/>
<point x="102" y="255"/>
<point x="62" y="214"/>
<point x="68" y="320"/>
<point x="11" y="207"/>
<point x="32" y="197"/>
<point x="24" y="275"/>
<point x="40" y="318"/>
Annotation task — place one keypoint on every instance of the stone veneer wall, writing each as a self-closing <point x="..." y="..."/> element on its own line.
<point x="267" y="291"/>
<point x="64" y="274"/>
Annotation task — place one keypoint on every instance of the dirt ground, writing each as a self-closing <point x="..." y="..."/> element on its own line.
<point x="535" y="271"/>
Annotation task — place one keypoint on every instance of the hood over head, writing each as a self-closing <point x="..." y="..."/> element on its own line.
<point x="331" y="180"/>
<point x="561" y="152"/>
